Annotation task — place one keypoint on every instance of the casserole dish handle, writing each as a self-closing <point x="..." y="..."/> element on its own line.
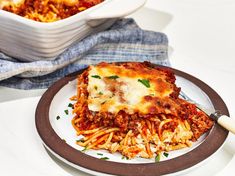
<point x="115" y="9"/>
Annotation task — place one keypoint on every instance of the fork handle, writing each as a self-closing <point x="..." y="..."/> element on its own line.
<point x="227" y="122"/>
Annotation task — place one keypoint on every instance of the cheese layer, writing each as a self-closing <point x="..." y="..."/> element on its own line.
<point x="113" y="88"/>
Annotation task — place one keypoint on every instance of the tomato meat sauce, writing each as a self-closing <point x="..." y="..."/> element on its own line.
<point x="48" y="10"/>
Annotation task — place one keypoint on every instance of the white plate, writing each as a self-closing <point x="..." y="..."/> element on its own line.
<point x="65" y="130"/>
<point x="55" y="131"/>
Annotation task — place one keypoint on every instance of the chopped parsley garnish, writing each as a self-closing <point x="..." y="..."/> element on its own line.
<point x="101" y="154"/>
<point x="64" y="140"/>
<point x="100" y="93"/>
<point x="157" y="158"/>
<point x="166" y="154"/>
<point x="66" y="111"/>
<point x="80" y="140"/>
<point x="95" y="87"/>
<point x="104" y="158"/>
<point x="113" y="77"/>
<point x="70" y="105"/>
<point x="124" y="157"/>
<point x="145" y="82"/>
<point x="96" y="76"/>
<point x="57" y="117"/>
<point x="85" y="148"/>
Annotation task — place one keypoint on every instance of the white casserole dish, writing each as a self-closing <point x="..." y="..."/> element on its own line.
<point x="29" y="40"/>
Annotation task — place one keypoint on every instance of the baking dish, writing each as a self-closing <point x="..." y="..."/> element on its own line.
<point x="29" y="40"/>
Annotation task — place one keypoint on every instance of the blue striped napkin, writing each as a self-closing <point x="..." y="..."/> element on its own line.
<point x="124" y="41"/>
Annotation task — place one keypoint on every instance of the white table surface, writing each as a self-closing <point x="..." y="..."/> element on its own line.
<point x="201" y="37"/>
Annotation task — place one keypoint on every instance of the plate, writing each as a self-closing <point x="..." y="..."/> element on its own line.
<point x="59" y="137"/>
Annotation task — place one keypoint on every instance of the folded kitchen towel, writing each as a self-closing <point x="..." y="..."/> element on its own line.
<point x="123" y="41"/>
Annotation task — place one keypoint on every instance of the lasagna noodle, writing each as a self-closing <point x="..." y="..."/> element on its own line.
<point x="111" y="115"/>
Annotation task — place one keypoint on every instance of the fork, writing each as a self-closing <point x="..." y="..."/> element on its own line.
<point x="223" y="120"/>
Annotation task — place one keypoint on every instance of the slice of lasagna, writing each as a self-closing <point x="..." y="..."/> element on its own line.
<point x="134" y="108"/>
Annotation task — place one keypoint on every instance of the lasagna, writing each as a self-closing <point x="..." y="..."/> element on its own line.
<point x="47" y="10"/>
<point x="134" y="109"/>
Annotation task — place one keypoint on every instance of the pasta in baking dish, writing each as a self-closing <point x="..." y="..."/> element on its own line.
<point x="134" y="108"/>
<point x="47" y="10"/>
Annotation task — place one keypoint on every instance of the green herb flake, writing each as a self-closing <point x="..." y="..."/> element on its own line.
<point x="157" y="158"/>
<point x="104" y="158"/>
<point x="100" y="154"/>
<point x="80" y="140"/>
<point x="57" y="117"/>
<point x="96" y="76"/>
<point x="66" y="111"/>
<point x="166" y="154"/>
<point x="145" y="82"/>
<point x="100" y="93"/>
<point x="113" y="77"/>
<point x="95" y="87"/>
<point x="84" y="149"/>
<point x="124" y="157"/>
<point x="64" y="140"/>
<point x="70" y="105"/>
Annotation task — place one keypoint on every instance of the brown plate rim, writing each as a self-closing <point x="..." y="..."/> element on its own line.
<point x="210" y="145"/>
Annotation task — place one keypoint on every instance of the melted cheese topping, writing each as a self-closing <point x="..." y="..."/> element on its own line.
<point x="113" y="88"/>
